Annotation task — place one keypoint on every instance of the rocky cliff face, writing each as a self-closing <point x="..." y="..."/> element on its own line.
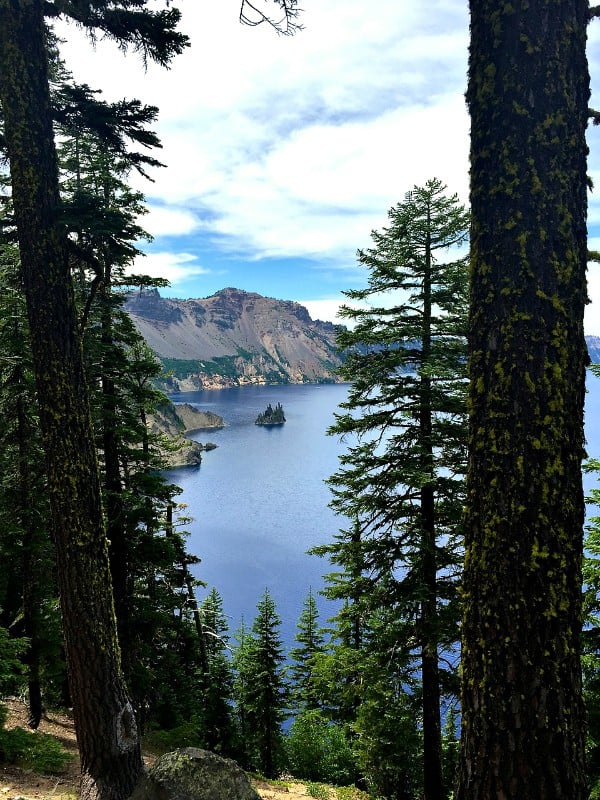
<point x="593" y="343"/>
<point x="173" y="423"/>
<point x="234" y="338"/>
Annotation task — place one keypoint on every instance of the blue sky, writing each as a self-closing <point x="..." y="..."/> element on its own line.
<point x="283" y="153"/>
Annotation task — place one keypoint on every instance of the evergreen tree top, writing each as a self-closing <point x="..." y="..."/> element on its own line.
<point x="131" y="23"/>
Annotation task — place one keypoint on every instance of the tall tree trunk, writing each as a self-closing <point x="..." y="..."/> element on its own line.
<point x="430" y="679"/>
<point x="104" y="721"/>
<point x="522" y="718"/>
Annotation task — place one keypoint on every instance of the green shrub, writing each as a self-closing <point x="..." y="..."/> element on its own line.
<point x="11" y="667"/>
<point x="319" y="791"/>
<point x="38" y="752"/>
<point x="163" y="741"/>
<point x="318" y="750"/>
<point x="351" y="793"/>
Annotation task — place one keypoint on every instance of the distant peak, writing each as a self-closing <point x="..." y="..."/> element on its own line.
<point x="231" y="291"/>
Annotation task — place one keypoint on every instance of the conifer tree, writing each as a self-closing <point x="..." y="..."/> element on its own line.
<point x="261" y="692"/>
<point x="241" y="686"/>
<point x="591" y="628"/>
<point x="28" y="589"/>
<point x="528" y="94"/>
<point x="216" y="681"/>
<point x="401" y="480"/>
<point x="106" y="729"/>
<point x="311" y="643"/>
<point x="145" y="547"/>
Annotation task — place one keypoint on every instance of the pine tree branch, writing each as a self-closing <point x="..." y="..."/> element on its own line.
<point x="594" y="12"/>
<point x="153" y="34"/>
<point x="286" y="26"/>
<point x="594" y="115"/>
<point x="93" y="291"/>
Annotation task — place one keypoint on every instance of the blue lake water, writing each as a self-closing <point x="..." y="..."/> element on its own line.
<point x="259" y="500"/>
<point x="592" y="431"/>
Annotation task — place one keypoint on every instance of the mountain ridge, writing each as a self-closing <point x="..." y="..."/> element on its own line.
<point x="593" y="345"/>
<point x="238" y="338"/>
<point x="234" y="338"/>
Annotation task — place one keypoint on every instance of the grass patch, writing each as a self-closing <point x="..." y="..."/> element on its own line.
<point x="320" y="791"/>
<point x="37" y="752"/>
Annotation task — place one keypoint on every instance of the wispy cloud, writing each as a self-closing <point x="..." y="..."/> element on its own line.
<point x="169" y="221"/>
<point x="175" y="267"/>
<point x="296" y="147"/>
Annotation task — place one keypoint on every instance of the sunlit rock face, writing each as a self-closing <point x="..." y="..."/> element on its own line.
<point x="234" y="338"/>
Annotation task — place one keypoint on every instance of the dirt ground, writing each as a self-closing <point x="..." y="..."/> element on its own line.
<point x="18" y="784"/>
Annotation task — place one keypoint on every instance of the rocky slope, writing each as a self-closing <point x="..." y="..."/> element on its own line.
<point x="593" y="343"/>
<point x="173" y="423"/>
<point x="234" y="338"/>
<point x="25" y="784"/>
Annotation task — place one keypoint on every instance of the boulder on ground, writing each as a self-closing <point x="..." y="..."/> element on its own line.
<point x="194" y="774"/>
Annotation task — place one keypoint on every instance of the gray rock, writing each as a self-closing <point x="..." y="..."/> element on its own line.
<point x="194" y="774"/>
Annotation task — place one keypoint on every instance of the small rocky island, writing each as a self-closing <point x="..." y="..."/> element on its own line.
<point x="271" y="416"/>
<point x="173" y="423"/>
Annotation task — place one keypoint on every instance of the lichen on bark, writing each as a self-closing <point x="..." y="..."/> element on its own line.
<point x="109" y="772"/>
<point x="523" y="728"/>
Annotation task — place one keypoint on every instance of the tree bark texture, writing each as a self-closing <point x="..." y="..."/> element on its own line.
<point x="104" y="721"/>
<point x="523" y="721"/>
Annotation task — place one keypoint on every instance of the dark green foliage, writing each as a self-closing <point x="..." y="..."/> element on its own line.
<point x="319" y="750"/>
<point x="450" y="743"/>
<point x="401" y="479"/>
<point x="11" y="667"/>
<point x="271" y="416"/>
<point x="214" y="715"/>
<point x="152" y="32"/>
<point x="309" y="636"/>
<point x="149" y="563"/>
<point x="28" y="590"/>
<point x="181" y="368"/>
<point x="260" y="689"/>
<point x="388" y="743"/>
<point x="159" y="741"/>
<point x="34" y="752"/>
<point x="107" y="737"/>
<point x="591" y="633"/>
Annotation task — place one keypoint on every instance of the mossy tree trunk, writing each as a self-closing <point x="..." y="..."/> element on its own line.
<point x="523" y="727"/>
<point x="106" y="730"/>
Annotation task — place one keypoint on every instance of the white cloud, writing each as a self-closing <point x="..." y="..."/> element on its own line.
<point x="592" y="311"/>
<point x="175" y="267"/>
<point x="165" y="221"/>
<point x="326" y="310"/>
<point x="298" y="146"/>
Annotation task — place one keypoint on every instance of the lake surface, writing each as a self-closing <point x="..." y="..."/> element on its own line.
<point x="259" y="500"/>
